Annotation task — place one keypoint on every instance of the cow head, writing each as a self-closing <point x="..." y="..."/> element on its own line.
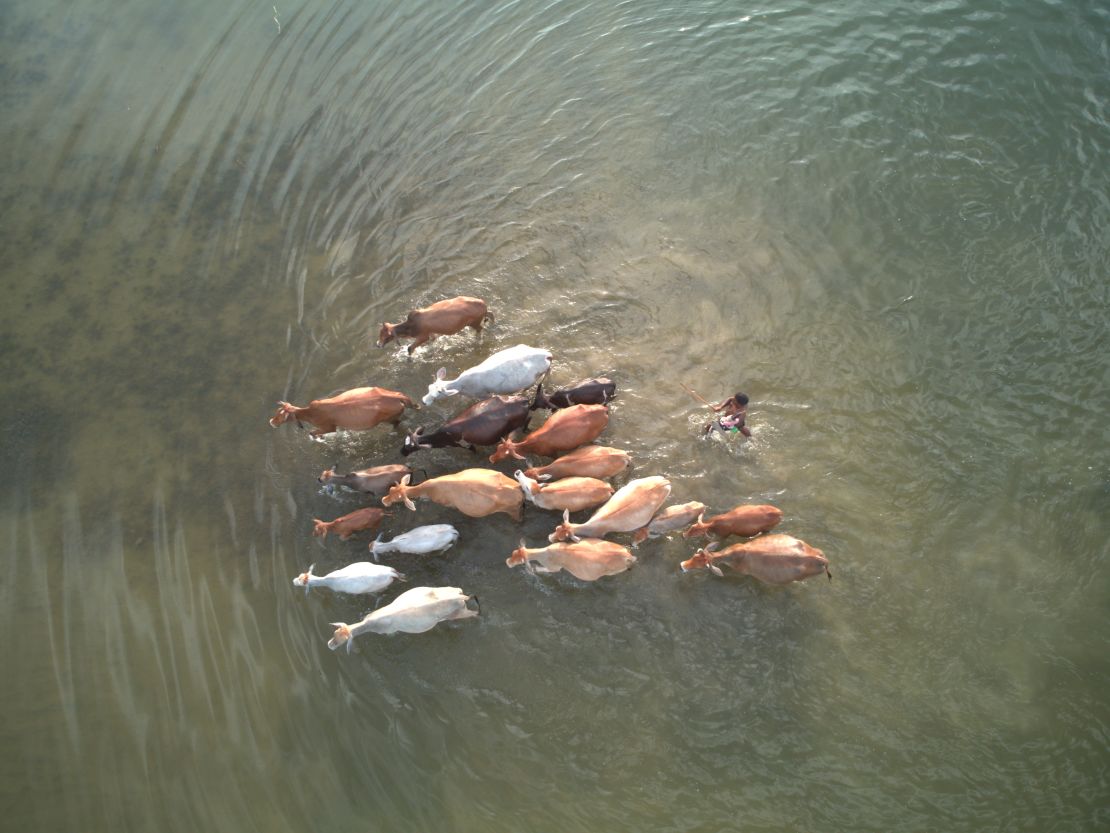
<point x="696" y="528"/>
<point x="399" y="492"/>
<point x="385" y="334"/>
<point x="285" y="412"/>
<point x="342" y="635"/>
<point x="506" y="448"/>
<point x="302" y="579"/>
<point x="439" y="388"/>
<point x="327" y="474"/>
<point x="518" y="556"/>
<point x="563" y="531"/>
<point x="702" y="560"/>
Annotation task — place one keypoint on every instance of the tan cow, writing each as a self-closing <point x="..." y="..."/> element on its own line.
<point x="631" y="507"/>
<point x="588" y="560"/>
<point x="571" y="493"/>
<point x="588" y="461"/>
<point x="670" y="519"/>
<point x="474" y="492"/>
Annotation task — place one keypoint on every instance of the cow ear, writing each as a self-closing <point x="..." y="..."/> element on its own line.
<point x="450" y="391"/>
<point x="714" y="546"/>
<point x="715" y="570"/>
<point x="441" y="374"/>
<point x="566" y="516"/>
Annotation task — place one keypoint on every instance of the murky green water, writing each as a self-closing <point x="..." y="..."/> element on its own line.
<point x="890" y="226"/>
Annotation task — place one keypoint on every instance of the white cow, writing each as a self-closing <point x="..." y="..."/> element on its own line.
<point x="414" y="611"/>
<point x="360" y="577"/>
<point x="506" y="371"/>
<point x="423" y="539"/>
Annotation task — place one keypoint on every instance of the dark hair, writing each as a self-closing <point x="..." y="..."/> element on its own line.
<point x="741" y="398"/>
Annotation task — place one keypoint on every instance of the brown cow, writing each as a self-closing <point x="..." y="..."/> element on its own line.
<point x="744" y="520"/>
<point x="773" y="559"/>
<point x="474" y="492"/>
<point x="355" y="409"/>
<point x="369" y="518"/>
<point x="564" y="430"/>
<point x="443" y="318"/>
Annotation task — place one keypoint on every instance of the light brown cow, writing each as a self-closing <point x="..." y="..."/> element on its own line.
<point x="670" y="519"/>
<point x="375" y="480"/>
<point x="474" y="492"/>
<point x="369" y="518"/>
<point x="587" y="461"/>
<point x="355" y="409"/>
<point x="744" y="520"/>
<point x="564" y="430"/>
<point x="443" y="318"/>
<point x="588" y="560"/>
<point x="571" y="493"/>
<point x="773" y="559"/>
<point x="631" y="507"/>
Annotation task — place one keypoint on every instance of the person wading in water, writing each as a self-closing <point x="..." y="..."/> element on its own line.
<point x="735" y="414"/>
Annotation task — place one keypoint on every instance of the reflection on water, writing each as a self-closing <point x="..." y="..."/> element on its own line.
<point x="889" y="229"/>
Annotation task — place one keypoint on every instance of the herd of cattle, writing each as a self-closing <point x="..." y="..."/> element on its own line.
<point x="574" y="481"/>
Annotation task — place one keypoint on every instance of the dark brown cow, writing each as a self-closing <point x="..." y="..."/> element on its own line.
<point x="589" y="392"/>
<point x="484" y="423"/>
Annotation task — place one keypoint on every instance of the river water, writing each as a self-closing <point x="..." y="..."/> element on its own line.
<point x="888" y="224"/>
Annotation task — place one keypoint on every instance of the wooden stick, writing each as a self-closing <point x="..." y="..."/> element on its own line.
<point x="696" y="396"/>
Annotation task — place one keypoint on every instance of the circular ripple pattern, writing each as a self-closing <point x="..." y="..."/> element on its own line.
<point x="890" y="227"/>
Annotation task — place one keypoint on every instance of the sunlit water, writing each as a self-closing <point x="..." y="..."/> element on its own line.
<point x="888" y="224"/>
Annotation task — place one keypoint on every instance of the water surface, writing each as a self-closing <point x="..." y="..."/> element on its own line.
<point x="890" y="227"/>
